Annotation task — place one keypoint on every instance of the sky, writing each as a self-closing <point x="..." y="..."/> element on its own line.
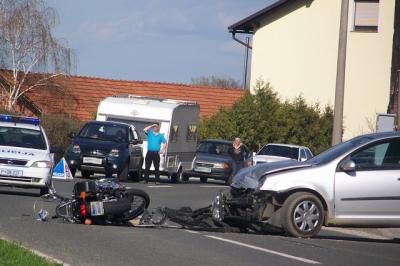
<point x="154" y="40"/>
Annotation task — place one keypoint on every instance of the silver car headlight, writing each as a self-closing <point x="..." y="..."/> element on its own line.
<point x="41" y="164"/>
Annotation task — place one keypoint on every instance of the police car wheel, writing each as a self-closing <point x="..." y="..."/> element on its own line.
<point x="44" y="191"/>
<point x="73" y="172"/>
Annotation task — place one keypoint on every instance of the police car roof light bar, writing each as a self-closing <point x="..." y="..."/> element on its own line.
<point x="20" y="119"/>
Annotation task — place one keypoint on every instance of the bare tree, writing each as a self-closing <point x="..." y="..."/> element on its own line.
<point x="28" y="50"/>
<point x="214" y="81"/>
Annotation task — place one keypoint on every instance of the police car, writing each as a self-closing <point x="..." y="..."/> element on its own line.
<point x="25" y="159"/>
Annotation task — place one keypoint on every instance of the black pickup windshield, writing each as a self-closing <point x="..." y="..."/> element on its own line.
<point x="105" y="132"/>
<point x="21" y="137"/>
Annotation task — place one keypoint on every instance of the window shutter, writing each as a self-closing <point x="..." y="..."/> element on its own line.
<point x="367" y="13"/>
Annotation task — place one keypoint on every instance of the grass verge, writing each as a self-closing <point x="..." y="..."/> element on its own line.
<point x="14" y="254"/>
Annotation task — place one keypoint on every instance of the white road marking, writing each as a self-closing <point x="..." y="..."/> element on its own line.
<point x="220" y="186"/>
<point x="265" y="250"/>
<point x="161" y="186"/>
<point x="192" y="232"/>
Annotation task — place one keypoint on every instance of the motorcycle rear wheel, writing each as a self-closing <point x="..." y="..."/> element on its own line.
<point x="140" y="201"/>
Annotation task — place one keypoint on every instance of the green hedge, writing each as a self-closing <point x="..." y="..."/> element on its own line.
<point x="57" y="128"/>
<point x="263" y="118"/>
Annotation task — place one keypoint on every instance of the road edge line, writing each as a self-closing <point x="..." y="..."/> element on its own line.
<point x="285" y="255"/>
<point x="357" y="233"/>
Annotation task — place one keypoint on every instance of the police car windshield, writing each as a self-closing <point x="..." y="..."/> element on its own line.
<point x="105" y="132"/>
<point x="22" y="137"/>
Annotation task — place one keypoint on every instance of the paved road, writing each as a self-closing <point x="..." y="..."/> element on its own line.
<point x="111" y="245"/>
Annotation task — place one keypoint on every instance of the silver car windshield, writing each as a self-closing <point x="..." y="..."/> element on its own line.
<point x="338" y="150"/>
<point x="281" y="151"/>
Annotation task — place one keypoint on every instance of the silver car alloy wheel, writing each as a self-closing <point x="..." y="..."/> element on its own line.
<point x="306" y="216"/>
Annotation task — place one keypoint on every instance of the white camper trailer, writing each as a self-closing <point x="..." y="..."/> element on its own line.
<point x="178" y="122"/>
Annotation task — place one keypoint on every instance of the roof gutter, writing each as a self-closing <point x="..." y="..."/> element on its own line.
<point x="240" y="41"/>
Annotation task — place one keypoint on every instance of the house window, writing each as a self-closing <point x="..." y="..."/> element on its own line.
<point x="191" y="134"/>
<point x="174" y="133"/>
<point x="366" y="15"/>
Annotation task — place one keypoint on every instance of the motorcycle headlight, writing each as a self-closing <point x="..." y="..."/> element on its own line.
<point x="41" y="164"/>
<point x="221" y="165"/>
<point x="76" y="149"/>
<point x="114" y="153"/>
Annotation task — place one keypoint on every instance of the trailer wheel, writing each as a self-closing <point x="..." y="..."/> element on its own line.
<point x="177" y="177"/>
<point x="203" y="179"/>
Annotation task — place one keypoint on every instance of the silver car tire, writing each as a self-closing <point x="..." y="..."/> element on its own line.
<point x="303" y="215"/>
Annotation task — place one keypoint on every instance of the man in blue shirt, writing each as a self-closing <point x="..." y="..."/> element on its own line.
<point x="154" y="141"/>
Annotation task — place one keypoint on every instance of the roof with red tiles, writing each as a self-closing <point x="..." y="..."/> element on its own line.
<point x="79" y="96"/>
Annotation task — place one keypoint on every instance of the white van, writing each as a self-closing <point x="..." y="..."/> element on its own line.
<point x="178" y="120"/>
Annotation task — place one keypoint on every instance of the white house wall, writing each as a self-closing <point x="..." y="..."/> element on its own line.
<point x="296" y="47"/>
<point x="368" y="69"/>
<point x="297" y="52"/>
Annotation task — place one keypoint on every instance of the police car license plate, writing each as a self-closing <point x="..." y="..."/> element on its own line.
<point x="92" y="160"/>
<point x="202" y="169"/>
<point x="11" y="172"/>
<point x="96" y="208"/>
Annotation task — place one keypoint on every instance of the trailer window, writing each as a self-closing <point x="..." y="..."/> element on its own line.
<point x="174" y="133"/>
<point x="191" y="133"/>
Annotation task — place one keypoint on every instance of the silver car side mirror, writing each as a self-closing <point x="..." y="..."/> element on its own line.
<point x="348" y="166"/>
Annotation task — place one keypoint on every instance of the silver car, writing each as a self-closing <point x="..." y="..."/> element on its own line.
<point x="356" y="183"/>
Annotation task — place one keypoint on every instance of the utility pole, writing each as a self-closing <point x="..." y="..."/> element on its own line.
<point x="397" y="89"/>
<point x="246" y="63"/>
<point x="340" y="75"/>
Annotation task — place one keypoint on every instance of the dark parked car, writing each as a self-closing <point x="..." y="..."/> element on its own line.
<point x="214" y="160"/>
<point x="106" y="147"/>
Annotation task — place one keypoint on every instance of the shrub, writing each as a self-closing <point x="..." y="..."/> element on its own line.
<point x="262" y="118"/>
<point x="57" y="128"/>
